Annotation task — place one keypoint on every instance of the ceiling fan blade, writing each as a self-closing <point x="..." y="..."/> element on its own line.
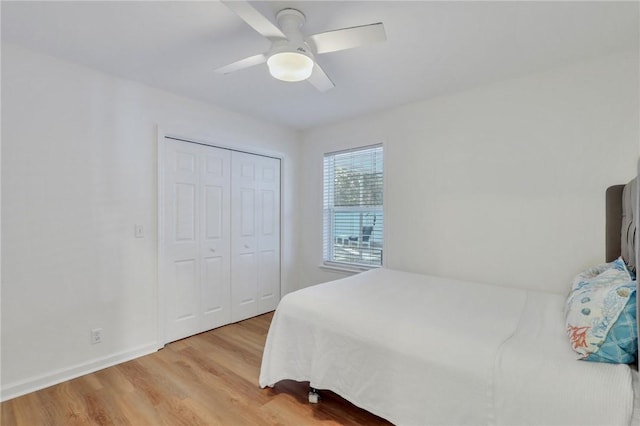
<point x="242" y="64"/>
<point x="320" y="80"/>
<point x="348" y="38"/>
<point x="255" y="19"/>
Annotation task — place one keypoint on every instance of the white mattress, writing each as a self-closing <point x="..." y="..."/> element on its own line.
<point x="416" y="349"/>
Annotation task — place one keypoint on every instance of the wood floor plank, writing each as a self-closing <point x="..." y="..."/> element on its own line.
<point x="62" y="403"/>
<point x="207" y="379"/>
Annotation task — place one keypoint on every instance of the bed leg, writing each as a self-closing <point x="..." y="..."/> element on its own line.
<point x="314" y="396"/>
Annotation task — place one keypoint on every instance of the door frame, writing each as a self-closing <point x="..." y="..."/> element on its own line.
<point x="161" y="289"/>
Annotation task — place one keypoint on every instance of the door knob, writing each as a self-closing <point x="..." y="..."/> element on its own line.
<point x="246" y="246"/>
<point x="213" y="250"/>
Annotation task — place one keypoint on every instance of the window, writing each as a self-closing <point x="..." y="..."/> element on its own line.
<point x="353" y="217"/>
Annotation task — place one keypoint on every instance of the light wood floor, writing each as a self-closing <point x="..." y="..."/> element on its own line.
<point x="208" y="379"/>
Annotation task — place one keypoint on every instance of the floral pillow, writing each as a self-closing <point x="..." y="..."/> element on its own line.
<point x="600" y="314"/>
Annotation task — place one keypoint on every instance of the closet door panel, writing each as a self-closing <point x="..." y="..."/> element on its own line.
<point x="214" y="214"/>
<point x="244" y="259"/>
<point x="268" y="186"/>
<point x="215" y="246"/>
<point x="185" y="200"/>
<point x="245" y="287"/>
<point x="185" y="304"/>
<point x="213" y="300"/>
<point x="269" y="285"/>
<point x="181" y="229"/>
<point x="196" y="265"/>
<point x="256" y="240"/>
<point x="247" y="214"/>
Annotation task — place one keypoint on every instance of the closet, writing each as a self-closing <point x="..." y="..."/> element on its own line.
<point x="220" y="237"/>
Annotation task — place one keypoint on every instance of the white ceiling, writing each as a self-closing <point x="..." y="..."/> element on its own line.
<point x="433" y="48"/>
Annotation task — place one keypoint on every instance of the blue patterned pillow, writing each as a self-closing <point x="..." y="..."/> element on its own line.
<point x="601" y="314"/>
<point x="621" y="343"/>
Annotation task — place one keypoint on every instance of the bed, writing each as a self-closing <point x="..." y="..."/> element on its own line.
<point x="424" y="350"/>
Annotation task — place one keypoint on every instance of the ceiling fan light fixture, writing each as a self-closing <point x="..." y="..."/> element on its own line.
<point x="290" y="66"/>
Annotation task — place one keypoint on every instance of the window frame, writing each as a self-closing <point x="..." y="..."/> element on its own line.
<point x="328" y="215"/>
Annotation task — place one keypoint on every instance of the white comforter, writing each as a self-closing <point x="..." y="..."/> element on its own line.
<point x="421" y="350"/>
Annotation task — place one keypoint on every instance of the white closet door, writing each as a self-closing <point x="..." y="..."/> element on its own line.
<point x="268" y="192"/>
<point x="255" y="242"/>
<point x="215" y="243"/>
<point x="181" y="269"/>
<point x="196" y="268"/>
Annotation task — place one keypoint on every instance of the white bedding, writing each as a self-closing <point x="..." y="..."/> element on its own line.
<point x="421" y="350"/>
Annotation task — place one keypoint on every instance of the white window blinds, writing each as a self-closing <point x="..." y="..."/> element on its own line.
<point x="353" y="216"/>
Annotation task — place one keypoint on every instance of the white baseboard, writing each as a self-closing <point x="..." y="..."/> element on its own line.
<point x="13" y="390"/>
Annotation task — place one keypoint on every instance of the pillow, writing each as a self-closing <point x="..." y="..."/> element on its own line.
<point x="600" y="314"/>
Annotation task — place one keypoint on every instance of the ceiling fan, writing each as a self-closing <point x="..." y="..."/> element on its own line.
<point x="292" y="54"/>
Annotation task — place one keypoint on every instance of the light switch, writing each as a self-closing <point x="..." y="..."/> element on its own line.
<point x="139" y="231"/>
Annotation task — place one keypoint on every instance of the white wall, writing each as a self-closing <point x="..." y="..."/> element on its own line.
<point x="502" y="184"/>
<point x="78" y="171"/>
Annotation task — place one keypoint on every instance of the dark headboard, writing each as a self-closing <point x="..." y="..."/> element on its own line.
<point x="621" y="215"/>
<point x="614" y="222"/>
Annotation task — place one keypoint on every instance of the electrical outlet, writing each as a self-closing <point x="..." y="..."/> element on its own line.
<point x="138" y="231"/>
<point x="96" y="336"/>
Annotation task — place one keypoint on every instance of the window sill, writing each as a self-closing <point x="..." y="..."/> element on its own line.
<point x="350" y="269"/>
